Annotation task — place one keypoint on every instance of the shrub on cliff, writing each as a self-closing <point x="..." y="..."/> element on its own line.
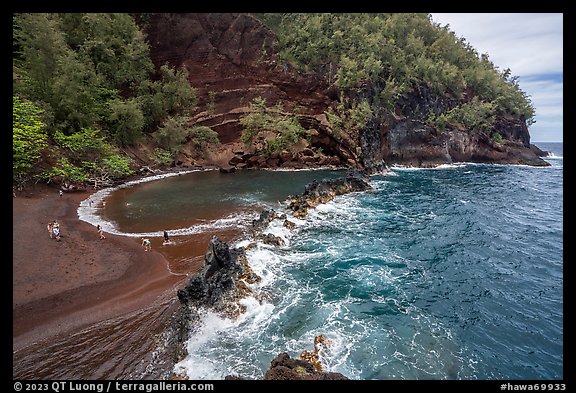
<point x="285" y="128"/>
<point x="85" y="157"/>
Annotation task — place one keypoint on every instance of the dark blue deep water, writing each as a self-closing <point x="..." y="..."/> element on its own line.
<point x="447" y="273"/>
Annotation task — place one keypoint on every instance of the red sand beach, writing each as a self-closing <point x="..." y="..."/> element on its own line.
<point x="63" y="286"/>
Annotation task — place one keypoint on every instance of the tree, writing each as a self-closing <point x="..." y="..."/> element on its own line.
<point x="172" y="134"/>
<point x="76" y="94"/>
<point x="177" y="93"/>
<point x="40" y="45"/>
<point x="125" y="121"/>
<point x="172" y="95"/>
<point x="408" y="49"/>
<point x="28" y="137"/>
<point x="114" y="45"/>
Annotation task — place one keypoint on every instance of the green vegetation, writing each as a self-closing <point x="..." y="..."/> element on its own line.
<point x="211" y="103"/>
<point x="161" y="156"/>
<point x="473" y="115"/>
<point x="84" y="157"/>
<point x="176" y="131"/>
<point x="397" y="53"/>
<point x="346" y="123"/>
<point x="285" y="129"/>
<point x="496" y="137"/>
<point x="28" y="137"/>
<point x="171" y="135"/>
<point x="86" y="93"/>
<point x="204" y="136"/>
<point x="87" y="77"/>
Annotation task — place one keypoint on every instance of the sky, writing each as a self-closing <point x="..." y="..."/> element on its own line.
<point x="531" y="45"/>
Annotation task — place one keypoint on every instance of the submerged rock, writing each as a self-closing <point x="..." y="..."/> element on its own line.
<point x="272" y="240"/>
<point x="265" y="218"/>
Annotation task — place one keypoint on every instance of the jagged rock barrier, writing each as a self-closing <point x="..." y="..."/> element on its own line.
<point x="316" y="192"/>
<point x="224" y="279"/>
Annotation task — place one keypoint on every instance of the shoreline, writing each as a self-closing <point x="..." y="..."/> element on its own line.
<point x="62" y="289"/>
<point x="81" y="280"/>
<point x="59" y="287"/>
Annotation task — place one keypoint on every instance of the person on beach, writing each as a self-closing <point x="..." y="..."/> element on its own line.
<point x="56" y="230"/>
<point x="166" y="238"/>
<point x="50" y="229"/>
<point x="101" y="232"/>
<point x="60" y="193"/>
<point x="147" y="245"/>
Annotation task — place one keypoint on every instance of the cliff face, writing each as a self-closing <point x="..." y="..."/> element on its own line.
<point x="232" y="58"/>
<point x="404" y="138"/>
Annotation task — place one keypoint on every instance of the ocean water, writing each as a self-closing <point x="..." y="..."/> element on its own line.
<point x="447" y="273"/>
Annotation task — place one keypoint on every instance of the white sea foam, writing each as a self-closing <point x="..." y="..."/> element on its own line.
<point x="399" y="167"/>
<point x="205" y="360"/>
<point x="232" y="221"/>
<point x="554" y="156"/>
<point x="196" y="366"/>
<point x="210" y="351"/>
<point x="302" y="169"/>
<point x="265" y="263"/>
<point x="277" y="228"/>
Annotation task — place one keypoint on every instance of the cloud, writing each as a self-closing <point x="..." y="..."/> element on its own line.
<point x="531" y="45"/>
<point x="528" y="44"/>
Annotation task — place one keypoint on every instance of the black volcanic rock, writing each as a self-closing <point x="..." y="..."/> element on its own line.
<point x="218" y="285"/>
<point x="316" y="192"/>
<point x="265" y="218"/>
<point x="539" y="152"/>
<point x="283" y="367"/>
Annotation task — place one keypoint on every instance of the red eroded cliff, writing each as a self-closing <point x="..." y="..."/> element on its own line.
<point x="231" y="59"/>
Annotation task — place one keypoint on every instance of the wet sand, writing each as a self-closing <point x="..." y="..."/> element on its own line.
<point x="60" y="287"/>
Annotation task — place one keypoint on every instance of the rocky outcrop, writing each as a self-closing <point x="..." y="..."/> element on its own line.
<point x="316" y="192"/>
<point x="403" y="136"/>
<point x="218" y="287"/>
<point x="539" y="152"/>
<point x="222" y="281"/>
<point x="283" y="367"/>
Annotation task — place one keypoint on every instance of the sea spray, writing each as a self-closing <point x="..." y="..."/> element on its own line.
<point x="400" y="278"/>
<point x="434" y="274"/>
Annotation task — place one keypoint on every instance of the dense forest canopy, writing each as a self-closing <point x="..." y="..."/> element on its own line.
<point x="400" y="50"/>
<point x="88" y="75"/>
<point x="85" y="89"/>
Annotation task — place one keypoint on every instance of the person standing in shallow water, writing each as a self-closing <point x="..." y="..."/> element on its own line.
<point x="147" y="245"/>
<point x="166" y="238"/>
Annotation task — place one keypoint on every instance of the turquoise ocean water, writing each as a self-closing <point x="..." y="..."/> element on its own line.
<point x="447" y="273"/>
